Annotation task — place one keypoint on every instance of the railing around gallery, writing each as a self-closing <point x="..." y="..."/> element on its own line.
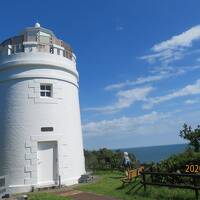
<point x="39" y="47"/>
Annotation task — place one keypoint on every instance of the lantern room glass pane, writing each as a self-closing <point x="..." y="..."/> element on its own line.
<point x="32" y="36"/>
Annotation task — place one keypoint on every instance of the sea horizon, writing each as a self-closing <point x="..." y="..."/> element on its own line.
<point x="147" y="154"/>
<point x="149" y="146"/>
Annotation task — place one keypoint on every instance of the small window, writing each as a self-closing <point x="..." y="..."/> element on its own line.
<point x="46" y="90"/>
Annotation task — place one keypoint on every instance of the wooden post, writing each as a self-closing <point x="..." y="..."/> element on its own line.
<point x="196" y="189"/>
<point x="197" y="194"/>
<point x="144" y="182"/>
<point x="151" y="170"/>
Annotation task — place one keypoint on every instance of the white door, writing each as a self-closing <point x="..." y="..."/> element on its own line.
<point x="47" y="163"/>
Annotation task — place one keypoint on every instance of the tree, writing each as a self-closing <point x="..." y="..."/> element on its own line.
<point x="193" y="136"/>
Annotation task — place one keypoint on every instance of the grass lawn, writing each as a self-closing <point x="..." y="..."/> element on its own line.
<point x="110" y="185"/>
<point x="46" y="196"/>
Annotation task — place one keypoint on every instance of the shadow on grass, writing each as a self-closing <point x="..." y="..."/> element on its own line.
<point x="111" y="185"/>
<point x="135" y="189"/>
<point x="116" y="177"/>
<point x="158" y="194"/>
<point x="134" y="186"/>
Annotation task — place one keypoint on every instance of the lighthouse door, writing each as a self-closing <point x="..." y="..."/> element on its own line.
<point x="47" y="163"/>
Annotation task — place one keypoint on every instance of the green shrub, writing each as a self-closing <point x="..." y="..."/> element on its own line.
<point x="105" y="159"/>
<point x="177" y="163"/>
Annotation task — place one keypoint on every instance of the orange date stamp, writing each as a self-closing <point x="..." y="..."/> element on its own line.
<point x="192" y="169"/>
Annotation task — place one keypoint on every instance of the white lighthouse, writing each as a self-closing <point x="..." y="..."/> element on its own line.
<point x="40" y="127"/>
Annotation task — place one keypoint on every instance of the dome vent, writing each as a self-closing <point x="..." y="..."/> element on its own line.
<point x="37" y="25"/>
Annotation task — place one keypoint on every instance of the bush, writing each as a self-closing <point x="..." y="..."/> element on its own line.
<point x="177" y="163"/>
<point x="105" y="159"/>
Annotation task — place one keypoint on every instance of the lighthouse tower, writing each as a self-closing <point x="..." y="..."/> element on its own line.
<point x="40" y="127"/>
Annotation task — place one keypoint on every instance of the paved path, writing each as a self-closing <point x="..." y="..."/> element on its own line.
<point x="78" y="195"/>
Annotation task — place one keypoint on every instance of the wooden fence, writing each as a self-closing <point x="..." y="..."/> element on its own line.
<point x="172" y="180"/>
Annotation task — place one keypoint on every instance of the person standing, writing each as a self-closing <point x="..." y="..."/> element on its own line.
<point x="126" y="163"/>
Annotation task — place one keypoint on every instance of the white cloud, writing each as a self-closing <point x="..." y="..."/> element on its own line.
<point x="185" y="39"/>
<point x="124" y="125"/>
<point x="165" y="57"/>
<point x="192" y="101"/>
<point x="161" y="73"/>
<point x="154" y="128"/>
<point x="125" y="98"/>
<point x="140" y="80"/>
<point x="188" y="90"/>
<point x="174" y="48"/>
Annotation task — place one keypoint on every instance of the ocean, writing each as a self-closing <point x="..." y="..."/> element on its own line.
<point x="155" y="153"/>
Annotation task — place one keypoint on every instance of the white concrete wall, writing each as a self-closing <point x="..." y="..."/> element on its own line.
<point x="23" y="112"/>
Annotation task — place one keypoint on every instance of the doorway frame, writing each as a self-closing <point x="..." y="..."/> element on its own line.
<point x="56" y="181"/>
<point x="33" y="141"/>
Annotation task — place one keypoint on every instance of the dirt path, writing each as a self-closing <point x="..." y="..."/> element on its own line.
<point x="89" y="196"/>
<point x="78" y="195"/>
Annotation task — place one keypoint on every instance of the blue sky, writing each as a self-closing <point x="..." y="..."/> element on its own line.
<point x="139" y="64"/>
